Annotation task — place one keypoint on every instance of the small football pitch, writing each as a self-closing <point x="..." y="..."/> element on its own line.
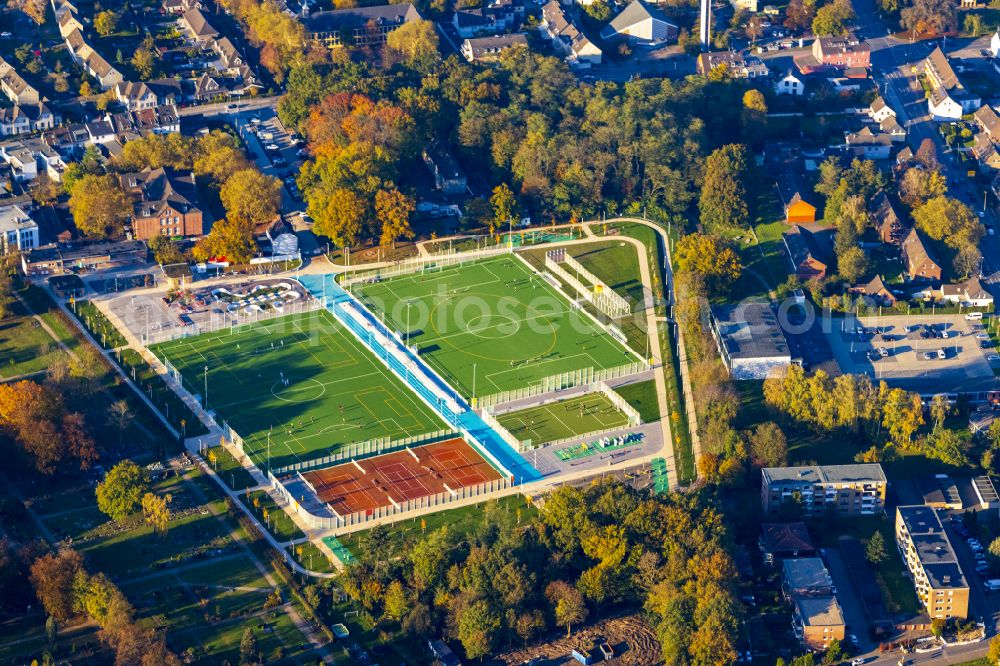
<point x="492" y="325"/>
<point x="563" y="419"/>
<point x="302" y="383"/>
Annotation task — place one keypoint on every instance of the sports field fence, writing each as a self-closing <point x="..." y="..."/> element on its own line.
<point x="630" y="412"/>
<point x="366" y="449"/>
<point x="336" y="521"/>
<point x="230" y="321"/>
<point x="420" y="264"/>
<point x="562" y="381"/>
<point x="506" y="435"/>
<point x="603" y="297"/>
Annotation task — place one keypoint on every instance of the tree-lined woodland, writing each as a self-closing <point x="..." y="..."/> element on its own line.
<point x="589" y="552"/>
<point x="566" y="149"/>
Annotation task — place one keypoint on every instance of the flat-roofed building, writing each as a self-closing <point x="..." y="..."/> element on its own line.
<point x="928" y="553"/>
<point x="805" y="577"/>
<point x="818" y="621"/>
<point x="750" y="340"/>
<point x="851" y="490"/>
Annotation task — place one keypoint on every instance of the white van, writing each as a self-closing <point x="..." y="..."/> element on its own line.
<point x="974" y="316"/>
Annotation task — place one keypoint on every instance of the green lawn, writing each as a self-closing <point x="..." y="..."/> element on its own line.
<point x="312" y="558"/>
<point x="94" y="320"/>
<point x="337" y="392"/>
<point x="616" y="263"/>
<point x="563" y="419"/>
<point x="229" y="469"/>
<point x="492" y="324"/>
<point x="279" y="523"/>
<point x="460" y="522"/>
<point x="25" y="347"/>
<point x="642" y="396"/>
<point x="165" y="399"/>
<point x="42" y="305"/>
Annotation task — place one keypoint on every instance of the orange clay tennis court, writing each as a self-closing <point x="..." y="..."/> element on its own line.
<point x="364" y="485"/>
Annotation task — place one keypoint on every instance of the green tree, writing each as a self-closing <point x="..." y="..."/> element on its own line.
<point x="51" y="631"/>
<point x="973" y="24"/>
<point x="165" y="251"/>
<point x="875" y="550"/>
<point x="120" y="493"/>
<point x="396" y="602"/>
<point x="832" y="19"/>
<point x="852" y="264"/>
<point x="598" y="10"/>
<point x="567" y="603"/>
<point x="231" y="240"/>
<point x="477" y="628"/>
<point x="106" y="23"/>
<point x="99" y="206"/>
<point x="723" y="202"/>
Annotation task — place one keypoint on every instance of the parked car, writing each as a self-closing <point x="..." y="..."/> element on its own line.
<point x="271" y="147"/>
<point x="941" y="354"/>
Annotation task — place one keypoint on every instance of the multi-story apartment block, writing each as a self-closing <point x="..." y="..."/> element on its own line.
<point x="818" y="621"/>
<point x="937" y="575"/>
<point x="848" y="489"/>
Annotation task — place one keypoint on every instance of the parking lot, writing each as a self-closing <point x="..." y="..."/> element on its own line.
<point x="939" y="353"/>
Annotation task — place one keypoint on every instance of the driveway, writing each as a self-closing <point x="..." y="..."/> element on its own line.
<point x="849" y="599"/>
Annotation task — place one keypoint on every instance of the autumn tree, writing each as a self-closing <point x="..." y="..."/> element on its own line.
<point x="230" y="240"/>
<point x="397" y="604"/>
<point x="504" y="205"/>
<point x="723" y="202"/>
<point x="52" y="577"/>
<point x="711" y="257"/>
<point x="35" y="416"/>
<point x="34" y="9"/>
<point x="156" y="512"/>
<point x="567" y="604"/>
<point x="927" y="154"/>
<point x="768" y="445"/>
<point x="339" y="215"/>
<point x="929" y="16"/>
<point x="902" y="415"/>
<point x="221" y="163"/>
<point x="99" y="206"/>
<point x="248" y="647"/>
<point x="831" y="19"/>
<point x="121" y="491"/>
<point x="852" y="264"/>
<point x="921" y="185"/>
<point x="393" y="209"/>
<point x="251" y="197"/>
<point x="106" y="23"/>
<point x="416" y="42"/>
<point x="144" y="62"/>
<point x="754" y="116"/>
<point x="165" y="251"/>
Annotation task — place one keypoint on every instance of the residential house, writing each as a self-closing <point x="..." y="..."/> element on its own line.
<point x="100" y="131"/>
<point x="891" y="127"/>
<point x="739" y="65"/>
<point x="818" y="621"/>
<point x="197" y="26"/>
<point x="878" y="110"/>
<point x="135" y="96"/>
<point x="989" y="122"/>
<point x="750" y="341"/>
<point x="985" y="151"/>
<point x="971" y="293"/>
<point x="752" y="6"/>
<point x="567" y="38"/>
<point x="790" y="84"/>
<point x="165" y="203"/>
<point x="869" y="144"/>
<point x="180" y="6"/>
<point x="362" y="26"/>
<point x="487" y="49"/>
<point x="68" y="23"/>
<point x="640" y="24"/>
<point x="875" y="293"/>
<point x="228" y="54"/>
<point x="891" y="227"/>
<point x="995" y="43"/>
<point x="939" y="491"/>
<point x="937" y="575"/>
<point x="797" y="209"/>
<point x="106" y="75"/>
<point x="494" y="18"/>
<point x="806" y="257"/>
<point x="18" y="232"/>
<point x="782" y="540"/>
<point x="949" y="98"/>
<point x="21" y="159"/>
<point x="448" y="175"/>
<point x="917" y="258"/>
<point x="15" y="87"/>
<point x="13" y="121"/>
<point x="842" y="52"/>
<point x="161" y="120"/>
<point x="850" y="490"/>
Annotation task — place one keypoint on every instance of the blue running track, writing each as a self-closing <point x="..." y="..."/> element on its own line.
<point x="324" y="286"/>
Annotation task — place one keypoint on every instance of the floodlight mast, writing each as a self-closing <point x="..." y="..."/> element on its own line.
<point x="706" y="24"/>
